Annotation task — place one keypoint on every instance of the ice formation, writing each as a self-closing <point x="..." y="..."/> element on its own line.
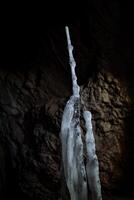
<point x="80" y="177"/>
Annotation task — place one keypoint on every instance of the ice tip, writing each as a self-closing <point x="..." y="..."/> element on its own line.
<point x="66" y="28"/>
<point x="87" y="114"/>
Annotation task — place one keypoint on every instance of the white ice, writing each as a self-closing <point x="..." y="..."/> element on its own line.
<point x="78" y="176"/>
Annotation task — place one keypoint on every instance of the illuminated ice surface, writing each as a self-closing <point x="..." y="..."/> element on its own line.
<point x="80" y="177"/>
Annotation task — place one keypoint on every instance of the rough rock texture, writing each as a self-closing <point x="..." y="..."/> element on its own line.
<point x="30" y="116"/>
<point x="107" y="97"/>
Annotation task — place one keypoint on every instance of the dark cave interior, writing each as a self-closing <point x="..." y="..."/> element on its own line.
<point x="33" y="42"/>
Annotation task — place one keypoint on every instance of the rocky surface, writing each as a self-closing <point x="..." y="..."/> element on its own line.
<point x="30" y="116"/>
<point x="106" y="96"/>
<point x="31" y="109"/>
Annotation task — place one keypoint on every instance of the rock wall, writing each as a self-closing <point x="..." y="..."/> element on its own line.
<point x="107" y="97"/>
<point x="31" y="106"/>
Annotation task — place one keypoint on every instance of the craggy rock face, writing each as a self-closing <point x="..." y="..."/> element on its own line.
<point x="31" y="106"/>
<point x="107" y="97"/>
<point x="30" y="118"/>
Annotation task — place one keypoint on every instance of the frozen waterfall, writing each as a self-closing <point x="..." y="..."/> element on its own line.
<point x="80" y="177"/>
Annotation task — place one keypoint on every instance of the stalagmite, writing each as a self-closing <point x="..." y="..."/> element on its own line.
<point x="77" y="176"/>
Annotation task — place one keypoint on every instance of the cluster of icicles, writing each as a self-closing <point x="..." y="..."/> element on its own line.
<point x="82" y="178"/>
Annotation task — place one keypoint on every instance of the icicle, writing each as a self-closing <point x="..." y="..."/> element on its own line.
<point x="76" y="88"/>
<point x="72" y="146"/>
<point x="76" y="173"/>
<point x="92" y="166"/>
<point x="72" y="152"/>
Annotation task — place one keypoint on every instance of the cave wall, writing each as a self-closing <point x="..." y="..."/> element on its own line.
<point x="107" y="97"/>
<point x="31" y="108"/>
<point x="31" y="111"/>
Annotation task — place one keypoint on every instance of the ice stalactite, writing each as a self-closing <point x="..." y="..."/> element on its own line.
<point x="72" y="146"/>
<point x="76" y="88"/>
<point x="77" y="176"/>
<point x="92" y="165"/>
<point x="72" y="151"/>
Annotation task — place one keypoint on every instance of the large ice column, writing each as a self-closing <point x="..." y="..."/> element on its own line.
<point x="72" y="151"/>
<point x="78" y="176"/>
<point x="72" y="145"/>
<point x="92" y="166"/>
